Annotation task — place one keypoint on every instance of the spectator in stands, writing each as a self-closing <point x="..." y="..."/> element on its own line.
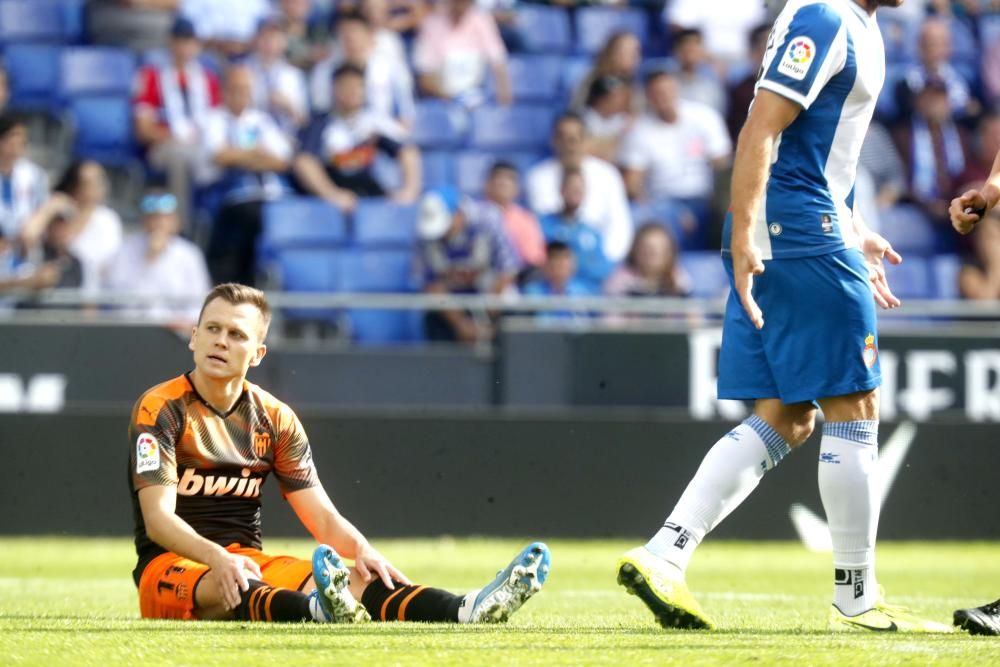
<point x="505" y="14"/>
<point x="388" y="82"/>
<point x="698" y="79"/>
<point x="607" y="116"/>
<point x="140" y="25"/>
<point x="558" y="278"/>
<point x="882" y="163"/>
<point x="503" y="187"/>
<point x="592" y="265"/>
<point x="652" y="267"/>
<point x="18" y="274"/>
<point x="934" y="148"/>
<point x="249" y="153"/>
<point x="980" y="164"/>
<point x="742" y="92"/>
<point x="170" y="104"/>
<point x="279" y="86"/>
<point x="169" y="270"/>
<point x="308" y="40"/>
<point x="388" y="43"/>
<point x="620" y="57"/>
<point x="674" y="151"/>
<point x="54" y="253"/>
<point x="226" y="26"/>
<point x="338" y="151"/>
<point x="93" y="230"/>
<point x="24" y="186"/>
<point x="979" y="277"/>
<point x="605" y="205"/>
<point x="989" y="69"/>
<point x="456" y="45"/>
<point x="725" y="24"/>
<point x="463" y="251"/>
<point x="934" y="53"/>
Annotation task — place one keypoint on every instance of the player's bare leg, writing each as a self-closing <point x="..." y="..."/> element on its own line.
<point x="729" y="473"/>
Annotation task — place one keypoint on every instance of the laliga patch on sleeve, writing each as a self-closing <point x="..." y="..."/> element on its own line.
<point x="798" y="58"/>
<point x="147" y="454"/>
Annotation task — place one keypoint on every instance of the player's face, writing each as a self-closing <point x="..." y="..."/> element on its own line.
<point x="228" y="340"/>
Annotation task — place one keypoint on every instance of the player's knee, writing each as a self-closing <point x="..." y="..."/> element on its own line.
<point x="800" y="428"/>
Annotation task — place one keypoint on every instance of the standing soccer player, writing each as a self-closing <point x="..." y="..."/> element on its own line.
<point x="202" y="445"/>
<point x="966" y="212"/>
<point x="799" y="331"/>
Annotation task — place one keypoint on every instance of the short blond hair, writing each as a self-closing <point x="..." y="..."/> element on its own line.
<point x="236" y="294"/>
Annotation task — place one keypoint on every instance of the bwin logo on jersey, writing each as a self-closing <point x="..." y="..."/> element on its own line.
<point x="193" y="484"/>
<point x="798" y="58"/>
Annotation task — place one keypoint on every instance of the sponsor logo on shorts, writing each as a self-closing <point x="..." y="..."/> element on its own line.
<point x="261" y="443"/>
<point x="798" y="58"/>
<point x="869" y="353"/>
<point x="147" y="454"/>
<point x="193" y="483"/>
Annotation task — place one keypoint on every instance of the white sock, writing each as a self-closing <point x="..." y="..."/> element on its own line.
<point x="848" y="485"/>
<point x="316" y="610"/>
<point x="465" y="609"/>
<point x="727" y="475"/>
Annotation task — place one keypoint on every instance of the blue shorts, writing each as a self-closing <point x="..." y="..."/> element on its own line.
<point x="819" y="338"/>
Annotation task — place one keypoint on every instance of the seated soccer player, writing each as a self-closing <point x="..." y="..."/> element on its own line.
<point x="201" y="447"/>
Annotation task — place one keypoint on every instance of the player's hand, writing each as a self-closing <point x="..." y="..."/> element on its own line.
<point x="966" y="211"/>
<point x="877" y="250"/>
<point x="747" y="264"/>
<point x="231" y="574"/>
<point x="370" y="563"/>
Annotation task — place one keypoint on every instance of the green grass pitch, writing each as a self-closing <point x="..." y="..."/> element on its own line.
<point x="71" y="601"/>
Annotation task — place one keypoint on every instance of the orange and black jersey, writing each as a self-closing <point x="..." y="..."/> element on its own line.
<point x="218" y="462"/>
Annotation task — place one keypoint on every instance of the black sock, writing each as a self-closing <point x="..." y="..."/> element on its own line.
<point x="410" y="603"/>
<point x="261" y="602"/>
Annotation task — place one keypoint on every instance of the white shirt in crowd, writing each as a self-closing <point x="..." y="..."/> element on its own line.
<point x="605" y="204"/>
<point x="677" y="156"/>
<point x="388" y="86"/>
<point x="28" y="188"/>
<point x="96" y="244"/>
<point x="230" y="20"/>
<point x="725" y="24"/>
<point x="286" y="79"/>
<point x="251" y="129"/>
<point x="176" y="280"/>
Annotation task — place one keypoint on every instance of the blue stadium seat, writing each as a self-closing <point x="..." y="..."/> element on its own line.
<point x="103" y="129"/>
<point x="534" y="78"/>
<point x="374" y="270"/>
<point x="96" y="71"/>
<point x="671" y="215"/>
<point x="31" y="21"/>
<point x="34" y="75"/>
<point x="382" y="222"/>
<point x="300" y="222"/>
<point x="946" y="269"/>
<point x="989" y="29"/>
<point x="439" y="124"/>
<point x="439" y="168"/>
<point x="887" y="106"/>
<point x="908" y="229"/>
<point x="595" y="24"/>
<point x="381" y="327"/>
<point x="574" y="71"/>
<point x="472" y="168"/>
<point x="517" y="127"/>
<point x="964" y="45"/>
<point x="708" y="276"/>
<point x="307" y="269"/>
<point x="913" y="279"/>
<point x="543" y="29"/>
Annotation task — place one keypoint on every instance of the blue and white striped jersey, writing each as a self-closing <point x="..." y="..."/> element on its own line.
<point x="828" y="57"/>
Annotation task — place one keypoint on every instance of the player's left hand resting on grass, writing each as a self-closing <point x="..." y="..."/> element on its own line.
<point x="877" y="250"/>
<point x="370" y="563"/>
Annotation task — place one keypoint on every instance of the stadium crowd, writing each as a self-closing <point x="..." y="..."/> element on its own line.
<point x="454" y="146"/>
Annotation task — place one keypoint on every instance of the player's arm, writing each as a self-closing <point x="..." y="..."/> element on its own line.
<point x="328" y="526"/>
<point x="770" y="114"/>
<point x="163" y="526"/>
<point x="966" y="211"/>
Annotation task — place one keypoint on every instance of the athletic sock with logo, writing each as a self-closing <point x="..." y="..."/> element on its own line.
<point x="410" y="603"/>
<point x="849" y="488"/>
<point x="261" y="602"/>
<point x="728" y="474"/>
